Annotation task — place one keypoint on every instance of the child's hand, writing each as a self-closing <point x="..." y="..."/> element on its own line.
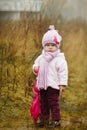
<point x="61" y="88"/>
<point x="36" y="69"/>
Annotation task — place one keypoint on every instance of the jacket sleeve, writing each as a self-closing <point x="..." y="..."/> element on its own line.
<point x="36" y="63"/>
<point x="63" y="73"/>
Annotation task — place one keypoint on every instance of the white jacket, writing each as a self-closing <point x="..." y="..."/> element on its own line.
<point x="57" y="71"/>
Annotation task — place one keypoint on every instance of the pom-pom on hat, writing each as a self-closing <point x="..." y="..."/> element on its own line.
<point x="51" y="36"/>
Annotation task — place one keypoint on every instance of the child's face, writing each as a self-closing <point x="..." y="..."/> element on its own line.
<point x="50" y="47"/>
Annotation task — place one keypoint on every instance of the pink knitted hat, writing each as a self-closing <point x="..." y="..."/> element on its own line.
<point x="51" y="36"/>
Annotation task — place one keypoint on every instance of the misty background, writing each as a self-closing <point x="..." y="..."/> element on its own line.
<point x="64" y="10"/>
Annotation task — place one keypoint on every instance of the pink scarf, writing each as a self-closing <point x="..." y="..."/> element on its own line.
<point x="43" y="70"/>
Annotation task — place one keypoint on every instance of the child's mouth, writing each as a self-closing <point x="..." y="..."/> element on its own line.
<point x="50" y="51"/>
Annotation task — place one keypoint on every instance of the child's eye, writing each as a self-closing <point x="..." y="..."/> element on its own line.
<point x="50" y="45"/>
<point x="47" y="45"/>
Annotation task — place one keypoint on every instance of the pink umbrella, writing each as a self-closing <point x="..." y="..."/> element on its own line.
<point x="35" y="110"/>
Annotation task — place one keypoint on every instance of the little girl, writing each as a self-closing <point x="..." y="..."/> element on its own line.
<point x="52" y="77"/>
